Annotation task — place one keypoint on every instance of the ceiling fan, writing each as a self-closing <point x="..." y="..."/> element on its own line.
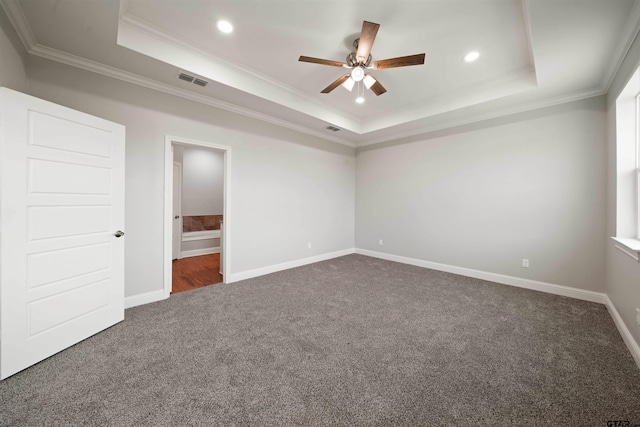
<point x="360" y="61"/>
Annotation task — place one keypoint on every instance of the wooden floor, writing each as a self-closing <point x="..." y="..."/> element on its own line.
<point x="196" y="272"/>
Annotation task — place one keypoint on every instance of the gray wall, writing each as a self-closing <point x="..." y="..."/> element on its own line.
<point x="482" y="196"/>
<point x="287" y="188"/>
<point x="202" y="181"/>
<point x="623" y="273"/>
<point x="487" y="195"/>
<point x="12" y="57"/>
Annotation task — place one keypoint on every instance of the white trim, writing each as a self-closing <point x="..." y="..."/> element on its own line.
<point x="249" y="274"/>
<point x="628" y="339"/>
<point x="168" y="203"/>
<point x="176" y="229"/>
<point x="630" y="247"/>
<point x="549" y="288"/>
<point x="145" y="298"/>
<point x="190" y="236"/>
<point x="200" y="252"/>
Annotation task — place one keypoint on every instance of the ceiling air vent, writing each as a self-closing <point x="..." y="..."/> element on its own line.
<point x="333" y="128"/>
<point x="191" y="79"/>
<point x="186" y="77"/>
<point x="200" y="82"/>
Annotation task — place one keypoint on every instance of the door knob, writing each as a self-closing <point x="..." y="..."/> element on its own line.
<point x="177" y="216"/>
<point x="118" y="233"/>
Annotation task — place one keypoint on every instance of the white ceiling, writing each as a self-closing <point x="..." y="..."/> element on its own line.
<point x="533" y="53"/>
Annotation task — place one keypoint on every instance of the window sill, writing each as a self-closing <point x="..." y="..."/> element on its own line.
<point x="631" y="247"/>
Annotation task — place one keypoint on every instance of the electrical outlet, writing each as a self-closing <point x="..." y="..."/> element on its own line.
<point x="309" y="245"/>
<point x="638" y="316"/>
<point x="380" y="241"/>
<point x="525" y="263"/>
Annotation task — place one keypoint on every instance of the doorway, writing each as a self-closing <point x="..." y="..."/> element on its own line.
<point x="188" y="238"/>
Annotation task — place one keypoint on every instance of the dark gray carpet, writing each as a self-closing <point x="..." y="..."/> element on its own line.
<point x="354" y="340"/>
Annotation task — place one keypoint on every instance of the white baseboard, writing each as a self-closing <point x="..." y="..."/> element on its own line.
<point x="628" y="339"/>
<point x="550" y="288"/>
<point x="198" y="252"/>
<point x="145" y="298"/>
<point x="235" y="277"/>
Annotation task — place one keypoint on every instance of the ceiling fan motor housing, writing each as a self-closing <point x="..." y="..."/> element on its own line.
<point x="353" y="62"/>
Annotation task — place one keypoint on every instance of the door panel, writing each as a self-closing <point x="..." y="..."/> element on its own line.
<point x="66" y="134"/>
<point x="68" y="178"/>
<point x="46" y="222"/>
<point x="53" y="266"/>
<point x="61" y="267"/>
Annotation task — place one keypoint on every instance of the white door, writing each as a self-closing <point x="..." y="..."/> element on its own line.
<point x="177" y="210"/>
<point x="61" y="264"/>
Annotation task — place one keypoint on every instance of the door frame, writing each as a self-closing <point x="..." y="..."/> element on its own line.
<point x="170" y="140"/>
<point x="173" y="235"/>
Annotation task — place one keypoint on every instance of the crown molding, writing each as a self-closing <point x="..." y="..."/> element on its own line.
<point x="19" y="22"/>
<point x="502" y="112"/>
<point x="116" y="73"/>
<point x="629" y="33"/>
<point x="488" y="90"/>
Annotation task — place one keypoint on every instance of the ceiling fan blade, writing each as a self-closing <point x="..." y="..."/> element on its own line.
<point x="322" y="61"/>
<point x="335" y="84"/>
<point x="378" y="89"/>
<point x="402" y="61"/>
<point x="367" y="37"/>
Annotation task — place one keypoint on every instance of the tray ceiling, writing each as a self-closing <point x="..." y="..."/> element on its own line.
<point x="532" y="53"/>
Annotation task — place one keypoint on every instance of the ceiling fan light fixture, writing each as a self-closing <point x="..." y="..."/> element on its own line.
<point x="357" y="73"/>
<point x="224" y="26"/>
<point x="369" y="81"/>
<point x="348" y="84"/>
<point x="360" y="100"/>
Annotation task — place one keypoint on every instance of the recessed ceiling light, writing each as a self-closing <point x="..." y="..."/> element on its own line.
<point x="360" y="100"/>
<point x="471" y="56"/>
<point x="225" y="26"/>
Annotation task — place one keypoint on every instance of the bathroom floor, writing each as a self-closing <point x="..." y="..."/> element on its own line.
<point x="196" y="272"/>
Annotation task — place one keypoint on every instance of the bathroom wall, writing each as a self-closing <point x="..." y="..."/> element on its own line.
<point x="202" y="196"/>
<point x="202" y="181"/>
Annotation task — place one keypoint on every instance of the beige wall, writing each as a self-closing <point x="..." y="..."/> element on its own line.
<point x="487" y="195"/>
<point x="287" y="188"/>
